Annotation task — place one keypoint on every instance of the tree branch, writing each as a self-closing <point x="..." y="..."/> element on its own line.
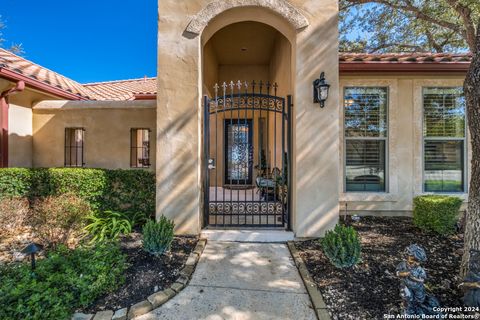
<point x="409" y="7"/>
<point x="466" y="15"/>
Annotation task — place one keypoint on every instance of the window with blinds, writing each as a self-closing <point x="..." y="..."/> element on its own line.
<point x="74" y="147"/>
<point x="366" y="133"/>
<point x="140" y="148"/>
<point x="444" y="139"/>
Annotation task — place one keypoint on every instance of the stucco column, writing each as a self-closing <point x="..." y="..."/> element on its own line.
<point x="316" y="131"/>
<point x="178" y="117"/>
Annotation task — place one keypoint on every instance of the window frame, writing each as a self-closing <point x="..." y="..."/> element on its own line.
<point x="386" y="138"/>
<point x="464" y="140"/>
<point x="65" y="146"/>
<point x="135" y="149"/>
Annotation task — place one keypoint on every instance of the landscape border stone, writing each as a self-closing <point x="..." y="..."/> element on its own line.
<point x="154" y="300"/>
<point x="318" y="303"/>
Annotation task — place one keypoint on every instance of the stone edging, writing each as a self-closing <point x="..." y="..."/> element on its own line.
<point x="155" y="300"/>
<point x="315" y="296"/>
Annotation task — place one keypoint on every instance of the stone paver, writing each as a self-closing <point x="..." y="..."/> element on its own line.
<point x="240" y="281"/>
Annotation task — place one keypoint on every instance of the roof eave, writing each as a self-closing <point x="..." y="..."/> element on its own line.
<point x="366" y="66"/>
<point x="35" y="84"/>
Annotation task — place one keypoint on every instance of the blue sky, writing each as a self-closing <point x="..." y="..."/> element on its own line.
<point x="86" y="40"/>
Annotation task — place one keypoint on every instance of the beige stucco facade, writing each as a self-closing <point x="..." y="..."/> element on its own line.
<point x="107" y="127"/>
<point x="206" y="42"/>
<point x="183" y="32"/>
<point x="405" y="142"/>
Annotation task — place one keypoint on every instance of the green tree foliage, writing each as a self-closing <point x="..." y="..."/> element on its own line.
<point x="16" y="48"/>
<point x="408" y="25"/>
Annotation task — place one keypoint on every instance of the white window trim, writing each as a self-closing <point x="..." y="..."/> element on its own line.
<point x="418" y="86"/>
<point x="391" y="171"/>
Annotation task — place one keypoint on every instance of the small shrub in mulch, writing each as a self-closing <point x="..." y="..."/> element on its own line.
<point x="371" y="289"/>
<point x="146" y="273"/>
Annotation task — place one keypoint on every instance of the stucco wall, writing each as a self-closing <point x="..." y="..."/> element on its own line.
<point x="20" y="128"/>
<point x="179" y="112"/>
<point x="405" y="154"/>
<point x="19" y="136"/>
<point x="107" y="127"/>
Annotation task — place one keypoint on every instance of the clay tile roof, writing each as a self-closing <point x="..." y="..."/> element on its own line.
<point x="405" y="57"/>
<point x="36" y="72"/>
<point x="123" y="89"/>
<point x="404" y="62"/>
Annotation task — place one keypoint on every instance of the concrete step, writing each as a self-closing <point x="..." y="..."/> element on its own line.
<point x="235" y="235"/>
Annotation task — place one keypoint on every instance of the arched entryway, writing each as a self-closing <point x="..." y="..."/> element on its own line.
<point x="247" y="127"/>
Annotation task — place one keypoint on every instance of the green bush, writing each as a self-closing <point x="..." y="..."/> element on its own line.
<point x="158" y="236"/>
<point x="436" y="213"/>
<point x="59" y="219"/>
<point x="63" y="281"/>
<point x="129" y="191"/>
<point x="108" y="225"/>
<point x="342" y="246"/>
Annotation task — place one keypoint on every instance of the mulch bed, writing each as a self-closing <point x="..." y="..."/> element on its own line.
<point x="146" y="274"/>
<point x="370" y="290"/>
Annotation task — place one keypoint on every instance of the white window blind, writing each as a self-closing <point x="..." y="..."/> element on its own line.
<point x="444" y="139"/>
<point x="366" y="131"/>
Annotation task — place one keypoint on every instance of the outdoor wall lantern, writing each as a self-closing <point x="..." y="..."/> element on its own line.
<point x="320" y="90"/>
<point x="32" y="249"/>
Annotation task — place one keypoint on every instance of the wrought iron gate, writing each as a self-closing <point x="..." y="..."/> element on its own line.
<point x="247" y="150"/>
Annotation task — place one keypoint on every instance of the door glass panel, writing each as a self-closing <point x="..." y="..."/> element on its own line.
<point x="238" y="152"/>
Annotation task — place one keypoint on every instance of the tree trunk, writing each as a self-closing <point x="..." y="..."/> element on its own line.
<point x="472" y="95"/>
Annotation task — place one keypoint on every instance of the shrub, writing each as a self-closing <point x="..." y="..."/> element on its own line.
<point x="108" y="225"/>
<point x="342" y="246"/>
<point x="63" y="281"/>
<point x="436" y="213"/>
<point x="14" y="214"/>
<point x="56" y="219"/>
<point x="158" y="236"/>
<point x="129" y="191"/>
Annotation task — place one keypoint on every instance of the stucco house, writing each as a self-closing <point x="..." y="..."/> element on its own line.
<point x="235" y="129"/>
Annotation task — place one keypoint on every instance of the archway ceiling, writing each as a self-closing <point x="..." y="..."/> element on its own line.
<point x="257" y="38"/>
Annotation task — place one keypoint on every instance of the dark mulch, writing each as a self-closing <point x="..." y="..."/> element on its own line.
<point x="146" y="274"/>
<point x="370" y="290"/>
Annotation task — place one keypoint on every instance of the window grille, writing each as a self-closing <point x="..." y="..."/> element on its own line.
<point x="140" y="148"/>
<point x="74" y="147"/>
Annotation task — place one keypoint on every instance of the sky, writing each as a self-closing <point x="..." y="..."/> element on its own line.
<point x="85" y="40"/>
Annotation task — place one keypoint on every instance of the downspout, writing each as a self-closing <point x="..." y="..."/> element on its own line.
<point x="19" y="86"/>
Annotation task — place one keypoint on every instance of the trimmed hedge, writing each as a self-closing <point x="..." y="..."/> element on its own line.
<point x="436" y="213"/>
<point x="116" y="190"/>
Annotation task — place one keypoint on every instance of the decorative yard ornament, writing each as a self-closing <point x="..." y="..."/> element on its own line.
<point x="416" y="301"/>
<point x="471" y="283"/>
<point x="320" y="90"/>
<point x="32" y="249"/>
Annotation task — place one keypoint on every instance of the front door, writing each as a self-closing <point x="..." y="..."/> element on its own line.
<point x="238" y="152"/>
<point x="246" y="173"/>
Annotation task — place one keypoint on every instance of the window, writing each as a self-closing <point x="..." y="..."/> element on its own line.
<point x="444" y="144"/>
<point x="74" y="147"/>
<point x="366" y="133"/>
<point x="140" y="148"/>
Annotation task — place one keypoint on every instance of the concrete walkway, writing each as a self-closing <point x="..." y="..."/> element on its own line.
<point x="240" y="281"/>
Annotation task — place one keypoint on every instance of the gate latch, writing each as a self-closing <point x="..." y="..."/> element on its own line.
<point x="211" y="164"/>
